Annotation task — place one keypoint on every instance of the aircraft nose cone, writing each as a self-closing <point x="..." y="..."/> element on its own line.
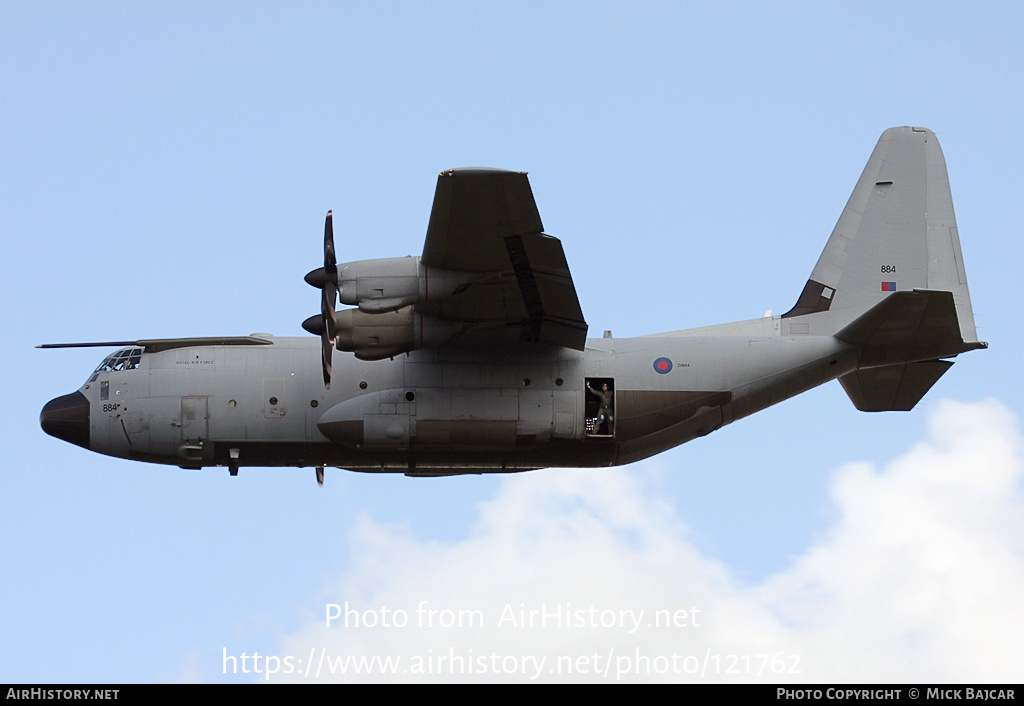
<point x="67" y="418"/>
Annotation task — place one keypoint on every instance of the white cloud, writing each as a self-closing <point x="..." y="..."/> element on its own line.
<point x="919" y="579"/>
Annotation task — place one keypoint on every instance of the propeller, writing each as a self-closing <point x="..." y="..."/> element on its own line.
<point x="326" y="280"/>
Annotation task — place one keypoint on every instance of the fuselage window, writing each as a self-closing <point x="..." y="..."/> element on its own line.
<point x="124" y="359"/>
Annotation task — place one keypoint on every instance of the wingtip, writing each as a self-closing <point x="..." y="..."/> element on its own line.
<point x="478" y="171"/>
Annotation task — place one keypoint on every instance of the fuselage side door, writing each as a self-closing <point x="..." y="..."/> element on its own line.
<point x="599" y="415"/>
<point x="195" y="420"/>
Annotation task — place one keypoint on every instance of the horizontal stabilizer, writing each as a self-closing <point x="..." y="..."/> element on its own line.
<point x="892" y="387"/>
<point x="904" y="327"/>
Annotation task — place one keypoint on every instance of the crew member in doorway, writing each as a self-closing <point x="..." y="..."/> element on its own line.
<point x="604" y="414"/>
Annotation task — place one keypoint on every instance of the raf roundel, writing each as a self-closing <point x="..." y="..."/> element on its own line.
<point x="662" y="365"/>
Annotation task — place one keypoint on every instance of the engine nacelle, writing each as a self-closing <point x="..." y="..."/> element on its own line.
<point x="388" y="291"/>
<point x="380" y="285"/>
<point x="372" y="336"/>
<point x="387" y="284"/>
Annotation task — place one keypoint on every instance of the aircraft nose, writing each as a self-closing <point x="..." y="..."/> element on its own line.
<point x="67" y="418"/>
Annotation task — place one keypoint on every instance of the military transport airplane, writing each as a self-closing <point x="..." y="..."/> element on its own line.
<point x="474" y="357"/>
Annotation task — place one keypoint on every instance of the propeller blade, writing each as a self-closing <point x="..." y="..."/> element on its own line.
<point x="327" y="302"/>
<point x="327" y="350"/>
<point x="329" y="260"/>
<point x="326" y="280"/>
<point x="330" y="289"/>
<point x="328" y="299"/>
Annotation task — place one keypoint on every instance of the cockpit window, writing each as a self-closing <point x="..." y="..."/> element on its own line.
<point x="124" y="359"/>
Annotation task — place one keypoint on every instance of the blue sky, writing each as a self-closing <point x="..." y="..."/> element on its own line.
<point x="166" y="171"/>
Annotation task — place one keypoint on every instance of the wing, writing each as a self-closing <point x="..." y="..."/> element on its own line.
<point x="484" y="223"/>
<point x="155" y="345"/>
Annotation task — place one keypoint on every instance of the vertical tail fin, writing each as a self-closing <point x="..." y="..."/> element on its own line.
<point x="897" y="233"/>
<point x="891" y="280"/>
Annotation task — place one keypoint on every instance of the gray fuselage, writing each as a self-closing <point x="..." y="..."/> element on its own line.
<point x="448" y="410"/>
